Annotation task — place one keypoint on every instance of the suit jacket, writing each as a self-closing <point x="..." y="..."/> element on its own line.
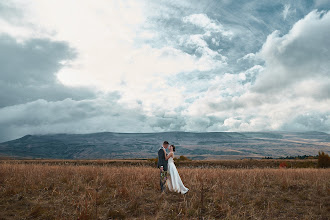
<point x="161" y="159"/>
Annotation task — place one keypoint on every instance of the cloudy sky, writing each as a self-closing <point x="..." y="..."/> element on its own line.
<point x="149" y="66"/>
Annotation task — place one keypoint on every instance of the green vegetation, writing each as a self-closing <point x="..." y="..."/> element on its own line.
<point x="299" y="157"/>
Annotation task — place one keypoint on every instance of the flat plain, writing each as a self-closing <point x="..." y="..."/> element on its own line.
<point x="98" y="190"/>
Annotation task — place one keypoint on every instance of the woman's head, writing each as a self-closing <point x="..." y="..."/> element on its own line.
<point x="172" y="147"/>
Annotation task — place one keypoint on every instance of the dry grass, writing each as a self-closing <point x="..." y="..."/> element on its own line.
<point x="41" y="191"/>
<point x="231" y="164"/>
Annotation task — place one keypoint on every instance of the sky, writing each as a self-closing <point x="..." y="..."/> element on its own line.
<point x="70" y="66"/>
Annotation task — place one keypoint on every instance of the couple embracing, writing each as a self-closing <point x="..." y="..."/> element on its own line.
<point x="169" y="175"/>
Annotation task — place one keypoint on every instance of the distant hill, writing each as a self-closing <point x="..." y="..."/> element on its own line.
<point x="210" y="145"/>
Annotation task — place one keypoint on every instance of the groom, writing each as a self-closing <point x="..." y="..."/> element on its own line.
<point x="162" y="164"/>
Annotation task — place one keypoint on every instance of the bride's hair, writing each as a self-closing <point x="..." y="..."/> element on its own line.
<point x="173" y="147"/>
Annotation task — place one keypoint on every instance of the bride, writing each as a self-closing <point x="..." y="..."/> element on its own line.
<point x="174" y="182"/>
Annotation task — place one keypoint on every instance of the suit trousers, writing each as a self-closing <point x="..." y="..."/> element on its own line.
<point x="162" y="182"/>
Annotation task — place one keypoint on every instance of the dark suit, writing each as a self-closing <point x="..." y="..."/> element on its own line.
<point x="162" y="162"/>
<point x="161" y="159"/>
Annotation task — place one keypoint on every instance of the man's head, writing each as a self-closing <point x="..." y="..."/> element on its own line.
<point x="165" y="144"/>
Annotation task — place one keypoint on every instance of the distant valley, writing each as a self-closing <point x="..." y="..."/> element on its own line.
<point x="210" y="145"/>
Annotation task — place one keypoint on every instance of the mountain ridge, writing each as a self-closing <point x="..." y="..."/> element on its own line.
<point x="196" y="145"/>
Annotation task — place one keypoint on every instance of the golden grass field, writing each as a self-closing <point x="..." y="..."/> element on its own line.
<point x="67" y="191"/>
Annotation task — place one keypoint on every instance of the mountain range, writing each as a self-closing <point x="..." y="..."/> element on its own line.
<point x="209" y="145"/>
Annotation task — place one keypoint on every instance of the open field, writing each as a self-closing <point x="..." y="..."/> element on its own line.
<point x="50" y="191"/>
<point x="224" y="164"/>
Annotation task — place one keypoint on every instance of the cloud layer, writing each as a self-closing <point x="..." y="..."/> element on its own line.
<point x="140" y="66"/>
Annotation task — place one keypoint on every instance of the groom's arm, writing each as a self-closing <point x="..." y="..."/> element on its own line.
<point x="161" y="157"/>
<point x="160" y="164"/>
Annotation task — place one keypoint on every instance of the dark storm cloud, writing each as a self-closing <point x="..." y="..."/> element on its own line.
<point x="28" y="71"/>
<point x="33" y="61"/>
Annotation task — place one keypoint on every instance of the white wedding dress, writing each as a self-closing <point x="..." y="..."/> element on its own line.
<point x="174" y="182"/>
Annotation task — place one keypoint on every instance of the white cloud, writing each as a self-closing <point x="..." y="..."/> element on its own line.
<point x="287" y="10"/>
<point x="250" y="57"/>
<point x="290" y="92"/>
<point x="301" y="54"/>
<point x="215" y="42"/>
<point x="203" y="21"/>
<point x="208" y="58"/>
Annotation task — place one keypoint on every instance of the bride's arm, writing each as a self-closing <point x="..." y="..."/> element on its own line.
<point x="168" y="156"/>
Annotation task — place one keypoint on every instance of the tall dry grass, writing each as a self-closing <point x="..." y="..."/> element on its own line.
<point x="231" y="164"/>
<point x="36" y="191"/>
